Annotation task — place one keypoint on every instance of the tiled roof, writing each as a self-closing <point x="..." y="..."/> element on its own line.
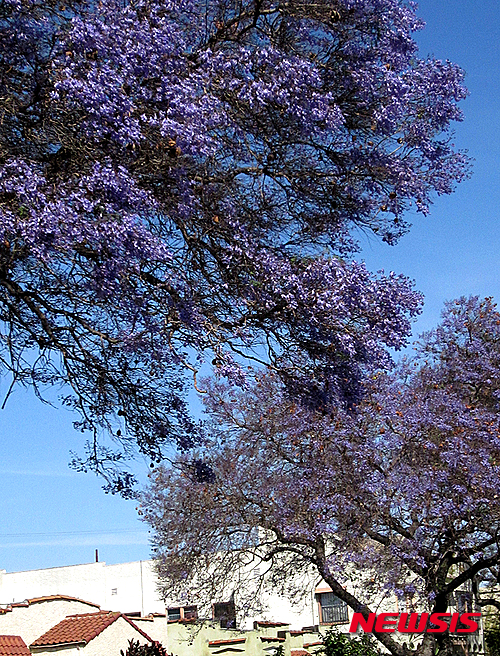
<point x="13" y="646"/>
<point x="81" y="629"/>
<point x="313" y="644"/>
<point x="265" y="623"/>
<point x="37" y="600"/>
<point x="299" y="652"/>
<point x="233" y="641"/>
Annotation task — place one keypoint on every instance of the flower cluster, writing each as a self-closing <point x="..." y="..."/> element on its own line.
<point x="400" y="497"/>
<point x="182" y="177"/>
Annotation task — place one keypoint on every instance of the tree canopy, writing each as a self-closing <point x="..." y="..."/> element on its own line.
<point x="183" y="182"/>
<point x="399" y="497"/>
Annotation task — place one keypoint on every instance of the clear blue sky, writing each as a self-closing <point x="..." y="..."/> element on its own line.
<point x="51" y="516"/>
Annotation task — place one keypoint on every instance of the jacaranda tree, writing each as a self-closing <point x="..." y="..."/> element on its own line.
<point x="183" y="180"/>
<point x="400" y="497"/>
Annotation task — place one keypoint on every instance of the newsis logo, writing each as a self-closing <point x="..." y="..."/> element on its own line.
<point x="415" y="622"/>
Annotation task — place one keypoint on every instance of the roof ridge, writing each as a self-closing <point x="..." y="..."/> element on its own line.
<point x="82" y="628"/>
<point x="36" y="600"/>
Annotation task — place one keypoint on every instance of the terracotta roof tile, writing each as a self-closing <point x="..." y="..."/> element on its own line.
<point x="266" y="623"/>
<point x="233" y="641"/>
<point x="299" y="652"/>
<point x="313" y="644"/>
<point x="13" y="646"/>
<point x="82" y="628"/>
<point x="37" y="600"/>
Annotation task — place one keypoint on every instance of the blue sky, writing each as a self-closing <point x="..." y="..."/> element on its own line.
<point x="454" y="251"/>
<point x="51" y="516"/>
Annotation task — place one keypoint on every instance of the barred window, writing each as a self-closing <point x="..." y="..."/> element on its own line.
<point x="332" y="609"/>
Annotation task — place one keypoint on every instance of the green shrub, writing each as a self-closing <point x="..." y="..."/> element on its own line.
<point x="136" y="649"/>
<point x="492" y="638"/>
<point x="340" y="644"/>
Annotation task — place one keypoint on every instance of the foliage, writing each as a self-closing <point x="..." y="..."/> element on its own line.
<point x="136" y="649"/>
<point x="401" y="497"/>
<point x="182" y="180"/>
<point x="492" y="638"/>
<point x="340" y="644"/>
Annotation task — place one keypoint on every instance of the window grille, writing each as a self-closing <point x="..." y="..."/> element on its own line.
<point x="333" y="610"/>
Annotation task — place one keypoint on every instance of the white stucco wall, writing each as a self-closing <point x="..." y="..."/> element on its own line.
<point x="30" y="622"/>
<point x="127" y="587"/>
<point x="132" y="588"/>
<point x="17" y="586"/>
<point x="303" y="612"/>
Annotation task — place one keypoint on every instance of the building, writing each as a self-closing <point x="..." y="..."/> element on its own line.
<point x="132" y="588"/>
<point x="90" y="634"/>
<point x="99" y="632"/>
<point x="129" y="593"/>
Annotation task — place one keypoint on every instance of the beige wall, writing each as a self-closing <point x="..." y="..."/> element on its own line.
<point x="187" y="639"/>
<point x="156" y="628"/>
<point x="112" y="639"/>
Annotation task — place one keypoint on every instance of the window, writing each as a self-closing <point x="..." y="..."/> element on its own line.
<point x="225" y="613"/>
<point x="114" y="591"/>
<point x="332" y="610"/>
<point x="182" y="613"/>
<point x="174" y="613"/>
<point x="190" y="613"/>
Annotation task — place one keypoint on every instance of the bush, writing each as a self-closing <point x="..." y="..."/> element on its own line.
<point x="492" y="638"/>
<point x="136" y="649"/>
<point x="340" y="644"/>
